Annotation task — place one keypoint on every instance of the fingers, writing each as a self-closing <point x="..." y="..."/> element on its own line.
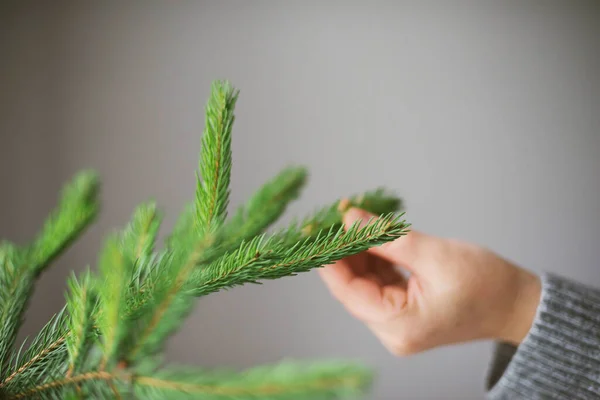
<point x="367" y="284"/>
<point x="370" y="299"/>
<point x="337" y="276"/>
<point x="387" y="272"/>
<point x="373" y="303"/>
<point x="403" y="251"/>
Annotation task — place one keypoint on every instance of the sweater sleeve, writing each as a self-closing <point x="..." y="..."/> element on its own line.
<point x="560" y="356"/>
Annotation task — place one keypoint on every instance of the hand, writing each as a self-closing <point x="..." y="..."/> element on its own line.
<point x="455" y="292"/>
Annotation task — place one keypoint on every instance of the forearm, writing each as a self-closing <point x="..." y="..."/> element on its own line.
<point x="560" y="355"/>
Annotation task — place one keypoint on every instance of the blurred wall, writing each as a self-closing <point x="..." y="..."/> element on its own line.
<point x="482" y="115"/>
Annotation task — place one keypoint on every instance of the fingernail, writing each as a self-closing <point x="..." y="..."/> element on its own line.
<point x="355" y="214"/>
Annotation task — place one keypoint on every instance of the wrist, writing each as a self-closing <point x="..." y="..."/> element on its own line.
<point x="523" y="308"/>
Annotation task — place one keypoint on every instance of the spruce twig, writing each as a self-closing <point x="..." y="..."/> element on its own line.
<point x="108" y="340"/>
<point x="20" y="267"/>
<point x="212" y="193"/>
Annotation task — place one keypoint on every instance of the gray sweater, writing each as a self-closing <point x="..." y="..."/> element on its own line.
<point x="560" y="357"/>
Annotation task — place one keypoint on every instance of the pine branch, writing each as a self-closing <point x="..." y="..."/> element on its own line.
<point x="143" y="291"/>
<point x="251" y="254"/>
<point x="82" y="308"/>
<point x="327" y="218"/>
<point x="212" y="193"/>
<point x="169" y="303"/>
<point x="77" y="208"/>
<point x="377" y="202"/>
<point x="241" y="263"/>
<point x="139" y="239"/>
<point x="212" y="199"/>
<point x="109" y="338"/>
<point x="256" y="261"/>
<point x="53" y="389"/>
<point x="16" y="283"/>
<point x="113" y="289"/>
<point x="141" y="231"/>
<point x="46" y="354"/>
<point x="284" y="381"/>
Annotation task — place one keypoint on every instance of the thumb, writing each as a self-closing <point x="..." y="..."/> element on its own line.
<point x="402" y="251"/>
<point x="354" y="215"/>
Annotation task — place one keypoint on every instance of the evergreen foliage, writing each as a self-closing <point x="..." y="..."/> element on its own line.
<point x="107" y="341"/>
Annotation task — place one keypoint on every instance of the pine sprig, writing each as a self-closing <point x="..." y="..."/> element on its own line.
<point x="109" y="339"/>
<point x="272" y="259"/>
<point x="259" y="249"/>
<point x="82" y="309"/>
<point x="286" y="380"/>
<point x="139" y="240"/>
<point x="142" y="291"/>
<point x="377" y="202"/>
<point x="236" y="268"/>
<point x="55" y="387"/>
<point x="77" y="208"/>
<point x="113" y="290"/>
<point x="170" y="304"/>
<point x="31" y="364"/>
<point x="212" y="199"/>
<point x="212" y="194"/>
<point x="16" y="283"/>
<point x="339" y="242"/>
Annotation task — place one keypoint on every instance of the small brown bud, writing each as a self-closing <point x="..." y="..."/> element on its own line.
<point x="343" y="205"/>
<point x="307" y="230"/>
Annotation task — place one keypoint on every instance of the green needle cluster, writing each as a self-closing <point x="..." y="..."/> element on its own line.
<point x="108" y="340"/>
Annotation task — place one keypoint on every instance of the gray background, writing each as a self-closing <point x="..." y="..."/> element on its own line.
<point x="484" y="116"/>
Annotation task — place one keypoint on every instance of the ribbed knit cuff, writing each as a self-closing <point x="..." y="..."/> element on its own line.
<point x="560" y="356"/>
